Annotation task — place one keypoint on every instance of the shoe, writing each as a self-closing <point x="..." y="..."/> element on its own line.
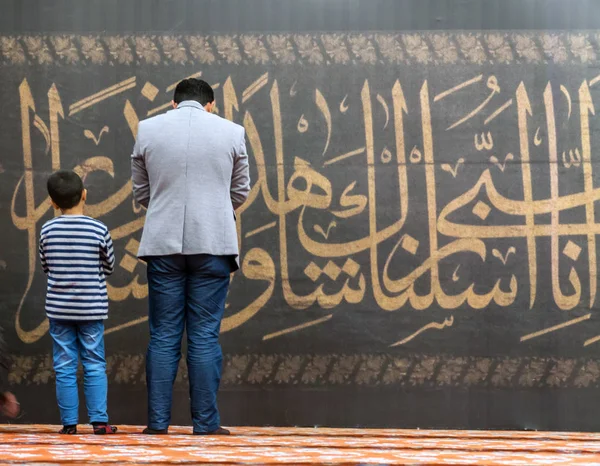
<point x="219" y="431"/>
<point x="149" y="431"/>
<point x="68" y="430"/>
<point x="104" y="429"/>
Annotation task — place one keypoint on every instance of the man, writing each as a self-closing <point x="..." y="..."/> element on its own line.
<point x="190" y="170"/>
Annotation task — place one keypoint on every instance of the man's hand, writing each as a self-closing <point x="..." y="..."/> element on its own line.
<point x="10" y="407"/>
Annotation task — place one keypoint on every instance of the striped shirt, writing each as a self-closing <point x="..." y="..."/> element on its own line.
<point x="77" y="254"/>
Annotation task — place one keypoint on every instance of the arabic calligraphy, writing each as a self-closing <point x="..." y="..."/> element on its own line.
<point x="330" y="223"/>
<point x="433" y="325"/>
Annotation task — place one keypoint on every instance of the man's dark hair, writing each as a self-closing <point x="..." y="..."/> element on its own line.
<point x="65" y="188"/>
<point x="194" y="89"/>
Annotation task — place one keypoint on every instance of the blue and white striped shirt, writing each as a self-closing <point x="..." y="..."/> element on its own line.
<point x="77" y="254"/>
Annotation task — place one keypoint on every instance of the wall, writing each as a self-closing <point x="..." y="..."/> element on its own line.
<point x="419" y="247"/>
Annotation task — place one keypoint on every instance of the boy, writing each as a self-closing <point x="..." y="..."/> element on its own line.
<point x="77" y="254"/>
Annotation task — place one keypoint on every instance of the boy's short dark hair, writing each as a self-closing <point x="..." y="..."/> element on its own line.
<point x="65" y="188"/>
<point x="194" y="89"/>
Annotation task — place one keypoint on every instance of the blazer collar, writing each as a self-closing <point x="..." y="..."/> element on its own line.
<point x="191" y="103"/>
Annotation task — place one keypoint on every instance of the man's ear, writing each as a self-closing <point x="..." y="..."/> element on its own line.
<point x="173" y="104"/>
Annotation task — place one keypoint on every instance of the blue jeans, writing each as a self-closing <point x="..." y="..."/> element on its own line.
<point x="73" y="340"/>
<point x="186" y="292"/>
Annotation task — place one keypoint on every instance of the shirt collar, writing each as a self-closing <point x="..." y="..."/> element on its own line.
<point x="191" y="103"/>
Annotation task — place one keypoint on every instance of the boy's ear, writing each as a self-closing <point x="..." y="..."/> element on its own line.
<point x="84" y="195"/>
<point x="54" y="205"/>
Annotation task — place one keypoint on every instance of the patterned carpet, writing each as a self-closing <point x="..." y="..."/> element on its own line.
<point x="41" y="445"/>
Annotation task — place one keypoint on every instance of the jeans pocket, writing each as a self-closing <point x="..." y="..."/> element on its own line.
<point x="220" y="266"/>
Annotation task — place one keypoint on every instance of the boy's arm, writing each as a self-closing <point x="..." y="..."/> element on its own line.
<point x="43" y="256"/>
<point x="139" y="174"/>
<point x="108" y="254"/>
<point x="240" y="178"/>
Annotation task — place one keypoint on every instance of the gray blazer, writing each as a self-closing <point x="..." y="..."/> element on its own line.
<point x="190" y="170"/>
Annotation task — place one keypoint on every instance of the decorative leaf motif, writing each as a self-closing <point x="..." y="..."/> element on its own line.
<point x="255" y="49"/>
<point x="119" y="49"/>
<point x="147" y="50"/>
<point x="561" y="372"/>
<point x="450" y="372"/>
<point x="282" y="48"/>
<point x="336" y="48"/>
<point x="417" y="47"/>
<point x="92" y="49"/>
<point x="228" y="49"/>
<point x="390" y="48"/>
<point x="309" y="49"/>
<point x="500" y="48"/>
<point x="581" y="48"/>
<point x="471" y="48"/>
<point x="12" y="50"/>
<point x="363" y="49"/>
<point x="65" y="49"/>
<point x="369" y="370"/>
<point x="201" y="49"/>
<point x="554" y="47"/>
<point x="174" y="49"/>
<point x="533" y="373"/>
<point x="38" y="49"/>
<point x="477" y="372"/>
<point x="527" y="48"/>
<point x="315" y="49"/>
<point x="444" y="48"/>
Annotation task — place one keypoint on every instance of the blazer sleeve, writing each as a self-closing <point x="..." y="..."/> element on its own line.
<point x="139" y="174"/>
<point x="240" y="179"/>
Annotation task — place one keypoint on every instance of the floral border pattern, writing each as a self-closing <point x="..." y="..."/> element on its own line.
<point x="421" y="48"/>
<point x="368" y="370"/>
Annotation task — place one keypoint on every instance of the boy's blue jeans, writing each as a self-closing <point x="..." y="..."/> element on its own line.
<point x="73" y="340"/>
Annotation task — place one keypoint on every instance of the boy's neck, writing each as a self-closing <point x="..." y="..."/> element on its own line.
<point x="74" y="211"/>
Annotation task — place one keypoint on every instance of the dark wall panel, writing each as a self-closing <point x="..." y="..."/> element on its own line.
<point x="419" y="248"/>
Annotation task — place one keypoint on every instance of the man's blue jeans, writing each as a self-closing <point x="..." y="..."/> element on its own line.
<point x="186" y="292"/>
<point x="73" y="340"/>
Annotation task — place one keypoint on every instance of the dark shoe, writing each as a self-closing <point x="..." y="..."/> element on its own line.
<point x="219" y="431"/>
<point x="149" y="431"/>
<point x="104" y="429"/>
<point x="68" y="430"/>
